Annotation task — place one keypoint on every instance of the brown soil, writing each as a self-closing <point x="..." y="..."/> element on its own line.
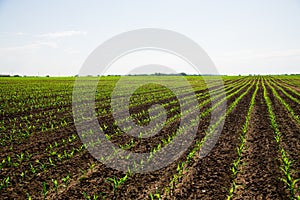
<point x="259" y="175"/>
<point x="137" y="186"/>
<point x="206" y="178"/>
<point x="209" y="177"/>
<point x="288" y="85"/>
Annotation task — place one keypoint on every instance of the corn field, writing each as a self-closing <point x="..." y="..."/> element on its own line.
<point x="257" y="155"/>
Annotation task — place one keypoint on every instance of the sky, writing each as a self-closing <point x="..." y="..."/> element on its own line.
<point x="55" y="37"/>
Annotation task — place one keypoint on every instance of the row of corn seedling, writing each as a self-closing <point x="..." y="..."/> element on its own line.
<point x="286" y="163"/>
<point x="236" y="163"/>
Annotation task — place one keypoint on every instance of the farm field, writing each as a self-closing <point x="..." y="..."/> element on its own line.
<point x="257" y="155"/>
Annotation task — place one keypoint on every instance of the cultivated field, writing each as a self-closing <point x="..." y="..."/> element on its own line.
<point x="257" y="155"/>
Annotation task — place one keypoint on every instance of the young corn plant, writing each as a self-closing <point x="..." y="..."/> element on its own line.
<point x="20" y="157"/>
<point x="45" y="190"/>
<point x="42" y="166"/>
<point x="66" y="179"/>
<point x="127" y="145"/>
<point x="51" y="163"/>
<point x="33" y="170"/>
<point x="88" y="197"/>
<point x="2" y="164"/>
<point x="5" y="183"/>
<point x="55" y="184"/>
<point x="117" y="182"/>
<point x="28" y="196"/>
<point x="155" y="195"/>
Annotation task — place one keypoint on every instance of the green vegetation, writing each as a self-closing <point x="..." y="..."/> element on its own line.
<point x="236" y="163"/>
<point x="42" y="155"/>
<point x="285" y="161"/>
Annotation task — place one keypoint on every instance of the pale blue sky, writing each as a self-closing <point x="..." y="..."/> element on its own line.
<point x="55" y="36"/>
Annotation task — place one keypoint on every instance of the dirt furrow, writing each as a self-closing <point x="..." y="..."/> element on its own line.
<point x="137" y="186"/>
<point x="259" y="177"/>
<point x="289" y="128"/>
<point x="210" y="177"/>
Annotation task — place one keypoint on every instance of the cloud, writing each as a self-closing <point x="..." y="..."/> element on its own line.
<point x="250" y="54"/>
<point x="32" y="46"/>
<point x="54" y="35"/>
<point x="285" y="53"/>
<point x="71" y="51"/>
<point x="21" y="33"/>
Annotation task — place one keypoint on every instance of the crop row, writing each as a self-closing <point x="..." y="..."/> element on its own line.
<point x="237" y="162"/>
<point x="117" y="181"/>
<point x="283" y="102"/>
<point x="33" y="168"/>
<point x="183" y="166"/>
<point x="286" y="163"/>
<point x="55" y="119"/>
